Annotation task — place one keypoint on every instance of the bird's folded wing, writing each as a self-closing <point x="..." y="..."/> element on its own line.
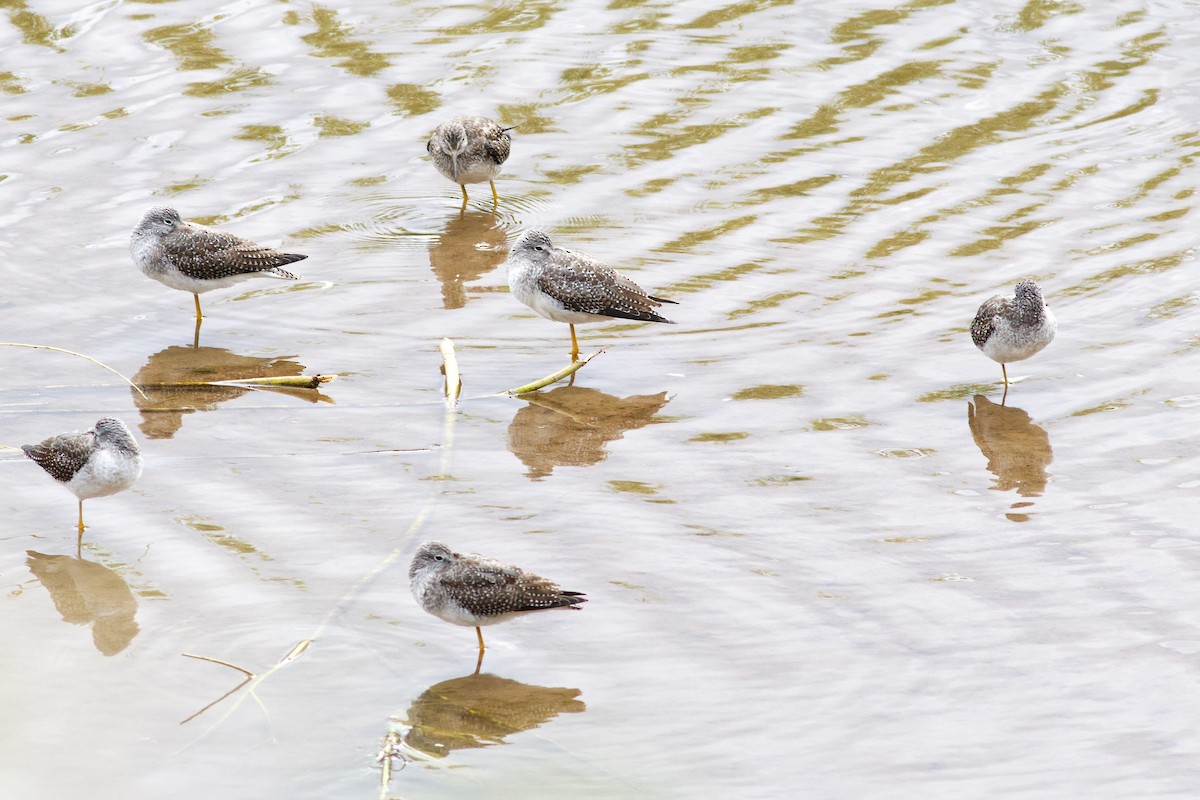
<point x="596" y="289"/>
<point x="497" y="144"/>
<point x="487" y="590"/>
<point x="63" y="455"/>
<point x="208" y="254"/>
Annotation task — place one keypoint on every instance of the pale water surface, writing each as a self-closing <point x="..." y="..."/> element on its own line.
<point x="823" y="560"/>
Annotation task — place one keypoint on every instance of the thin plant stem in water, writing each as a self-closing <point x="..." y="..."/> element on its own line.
<point x="404" y="544"/>
<point x="78" y="355"/>
<point x="566" y="371"/>
<point x="390" y="749"/>
<point x="249" y="677"/>
<point x="289" y="381"/>
<point x="450" y="370"/>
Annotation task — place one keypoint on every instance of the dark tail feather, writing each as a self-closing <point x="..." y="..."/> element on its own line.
<point x="636" y="316"/>
<point x="573" y="599"/>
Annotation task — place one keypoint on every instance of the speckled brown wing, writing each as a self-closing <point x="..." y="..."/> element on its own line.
<point x="490" y="588"/>
<point x="63" y="455"/>
<point x="205" y="254"/>
<point x="496" y="143"/>
<point x="587" y="286"/>
<point x="985" y="319"/>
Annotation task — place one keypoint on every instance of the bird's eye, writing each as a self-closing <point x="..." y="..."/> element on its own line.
<point x="539" y="248"/>
<point x="439" y="558"/>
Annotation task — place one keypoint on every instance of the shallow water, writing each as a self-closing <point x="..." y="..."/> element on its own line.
<point x="822" y="559"/>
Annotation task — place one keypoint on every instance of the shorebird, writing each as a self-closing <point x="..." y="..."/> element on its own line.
<point x="470" y="150"/>
<point x="570" y="287"/>
<point x="473" y="590"/>
<point x="1013" y="329"/>
<point x="95" y="463"/>
<point x="194" y="258"/>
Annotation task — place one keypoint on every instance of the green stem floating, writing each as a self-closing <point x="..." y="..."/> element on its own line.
<point x="289" y="381"/>
<point x="566" y="371"/>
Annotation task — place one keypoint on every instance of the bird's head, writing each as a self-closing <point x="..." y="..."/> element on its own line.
<point x="158" y="221"/>
<point x="534" y="246"/>
<point x="432" y="556"/>
<point x="451" y="139"/>
<point x="1028" y="291"/>
<point x="113" y="431"/>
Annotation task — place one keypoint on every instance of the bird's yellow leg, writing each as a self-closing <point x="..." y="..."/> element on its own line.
<point x="196" y="297"/>
<point x="463" y="186"/>
<point x="495" y="197"/>
<point x="1004" y="370"/>
<point x="574" y="346"/>
<point x="79" y="538"/>
<point x="479" y="633"/>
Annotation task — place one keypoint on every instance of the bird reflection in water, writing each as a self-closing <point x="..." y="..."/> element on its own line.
<point x="472" y="244"/>
<point x="1017" y="450"/>
<point x="480" y="710"/>
<point x="86" y="592"/>
<point x="571" y="425"/>
<point x="174" y="383"/>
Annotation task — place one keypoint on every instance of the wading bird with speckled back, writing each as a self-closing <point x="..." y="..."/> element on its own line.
<point x="472" y="590"/>
<point x="1013" y="328"/>
<point x="195" y="258"/>
<point x="566" y="286"/>
<point x="95" y="463"/>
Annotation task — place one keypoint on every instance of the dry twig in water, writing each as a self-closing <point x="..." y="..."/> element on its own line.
<point x="249" y="677"/>
<point x="450" y="370"/>
<point x="388" y="750"/>
<point x="78" y="355"/>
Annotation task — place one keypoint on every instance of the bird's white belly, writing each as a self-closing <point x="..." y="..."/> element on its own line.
<point x="177" y="280"/>
<point x="479" y="172"/>
<point x="457" y="615"/>
<point x="104" y="474"/>
<point x="1008" y="344"/>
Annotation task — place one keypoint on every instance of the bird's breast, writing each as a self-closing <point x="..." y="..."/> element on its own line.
<point x="146" y="253"/>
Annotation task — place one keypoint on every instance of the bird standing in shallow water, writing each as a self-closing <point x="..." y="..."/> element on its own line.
<point x="194" y="258"/>
<point x="1013" y="329"/>
<point x="472" y="590"/>
<point x="470" y="150"/>
<point x="570" y="287"/>
<point x="95" y="463"/>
